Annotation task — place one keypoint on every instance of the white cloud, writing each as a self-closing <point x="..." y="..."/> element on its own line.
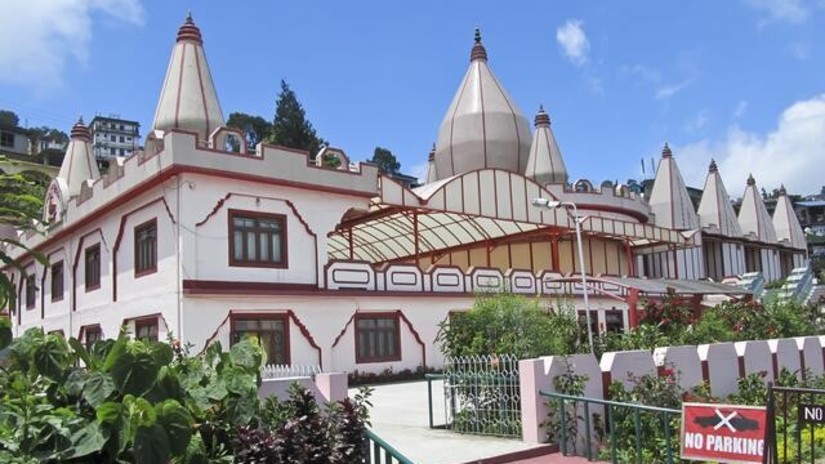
<point x="698" y="122"/>
<point x="573" y="41"/>
<point x="666" y="91"/>
<point x="40" y="37"/>
<point x="741" y="109"/>
<point x="799" y="50"/>
<point x="791" y="153"/>
<point x="792" y="11"/>
<point x="643" y="72"/>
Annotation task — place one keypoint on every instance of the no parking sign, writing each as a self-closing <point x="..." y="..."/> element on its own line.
<point x="723" y="432"/>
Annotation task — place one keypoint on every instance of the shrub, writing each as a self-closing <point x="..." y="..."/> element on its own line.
<point x="149" y="402"/>
<point x="504" y="323"/>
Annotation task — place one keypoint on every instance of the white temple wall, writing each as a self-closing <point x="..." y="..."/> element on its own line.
<point x="118" y="297"/>
<point x="310" y="216"/>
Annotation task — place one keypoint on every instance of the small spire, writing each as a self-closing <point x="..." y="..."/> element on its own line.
<point x="782" y="190"/>
<point x="751" y="180"/>
<point x="79" y="119"/>
<point x="542" y="118"/>
<point x="713" y="168"/>
<point x="478" y="52"/>
<point x="189" y="31"/>
<point x="666" y="153"/>
<point x="431" y="156"/>
<point x="80" y="131"/>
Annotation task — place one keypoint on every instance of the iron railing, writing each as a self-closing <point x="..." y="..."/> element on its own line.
<point x="380" y="452"/>
<point x="790" y="437"/>
<point x="614" y="413"/>
<point x="430" y="379"/>
<point x="482" y="395"/>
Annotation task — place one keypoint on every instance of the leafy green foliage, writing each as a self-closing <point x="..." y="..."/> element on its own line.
<point x="148" y="402"/>
<point x="255" y="128"/>
<point x="386" y="161"/>
<point x="504" y="323"/>
<point x="290" y="127"/>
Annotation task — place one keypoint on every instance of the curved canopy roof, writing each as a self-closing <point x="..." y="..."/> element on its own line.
<point x="469" y="210"/>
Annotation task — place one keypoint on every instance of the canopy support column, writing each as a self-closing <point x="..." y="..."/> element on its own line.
<point x="554" y="253"/>
<point x="632" y="307"/>
<point x="349" y="241"/>
<point x="631" y="262"/>
<point x="415" y="239"/>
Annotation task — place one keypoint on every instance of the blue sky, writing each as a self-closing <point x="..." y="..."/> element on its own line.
<point x="740" y="80"/>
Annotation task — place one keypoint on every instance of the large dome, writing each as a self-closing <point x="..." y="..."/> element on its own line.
<point x="483" y="128"/>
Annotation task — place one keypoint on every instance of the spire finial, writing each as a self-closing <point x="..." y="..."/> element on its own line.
<point x="666" y="153"/>
<point x="782" y="190"/>
<point x="542" y="118"/>
<point x="431" y="156"/>
<point x="79" y="119"/>
<point x="80" y="131"/>
<point x="478" y="52"/>
<point x="751" y="180"/>
<point x="713" y="168"/>
<point x="189" y="31"/>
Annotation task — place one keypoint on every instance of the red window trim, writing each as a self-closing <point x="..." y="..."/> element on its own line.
<point x="139" y="228"/>
<point x="256" y="316"/>
<point x="51" y="281"/>
<point x="146" y="322"/>
<point x="282" y="218"/>
<point x="84" y="330"/>
<point x="31" y="278"/>
<point x="378" y="315"/>
<point x="88" y="249"/>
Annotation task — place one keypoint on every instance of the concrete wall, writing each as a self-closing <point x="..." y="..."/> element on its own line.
<point x="720" y="364"/>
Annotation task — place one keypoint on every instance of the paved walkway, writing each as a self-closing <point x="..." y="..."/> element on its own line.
<point x="400" y="417"/>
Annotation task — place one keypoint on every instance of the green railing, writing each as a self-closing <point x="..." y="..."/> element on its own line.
<point x="614" y="410"/>
<point x="380" y="452"/>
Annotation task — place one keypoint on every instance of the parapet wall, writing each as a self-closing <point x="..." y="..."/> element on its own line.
<point x="721" y="365"/>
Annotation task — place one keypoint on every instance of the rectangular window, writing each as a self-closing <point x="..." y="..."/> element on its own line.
<point x="257" y="240"/>
<point x="57" y="281"/>
<point x="377" y="338"/>
<point x="147" y="329"/>
<point x="112" y="138"/>
<point x="270" y="331"/>
<point x="122" y="139"/>
<point x="92" y="267"/>
<point x="92" y="334"/>
<point x="6" y="139"/>
<point x="146" y="248"/>
<point x="112" y="151"/>
<point x="31" y="291"/>
<point x="120" y="151"/>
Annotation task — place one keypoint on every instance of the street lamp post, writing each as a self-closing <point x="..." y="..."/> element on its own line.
<point x="553" y="204"/>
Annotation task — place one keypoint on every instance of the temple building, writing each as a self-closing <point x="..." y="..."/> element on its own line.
<point x="204" y="240"/>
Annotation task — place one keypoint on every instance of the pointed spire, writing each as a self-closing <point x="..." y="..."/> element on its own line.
<point x="188" y="100"/>
<point x="542" y="118"/>
<point x="666" y="153"/>
<point x="478" y="52"/>
<point x="669" y="199"/>
<point x="785" y="222"/>
<point x="715" y="208"/>
<point x="482" y="102"/>
<point x="79" y="163"/>
<point x="545" y="164"/>
<point x="431" y="174"/>
<point x="753" y="215"/>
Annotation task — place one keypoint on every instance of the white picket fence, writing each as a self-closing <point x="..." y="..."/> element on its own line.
<point x="279" y="371"/>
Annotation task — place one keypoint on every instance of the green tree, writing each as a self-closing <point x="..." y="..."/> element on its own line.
<point x="385" y="160"/>
<point x="255" y="128"/>
<point x="9" y="119"/>
<point x="509" y="324"/>
<point x="291" y="128"/>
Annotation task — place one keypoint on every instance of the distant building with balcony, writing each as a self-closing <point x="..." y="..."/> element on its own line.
<point x="14" y="140"/>
<point x="113" y="137"/>
<point x="811" y="215"/>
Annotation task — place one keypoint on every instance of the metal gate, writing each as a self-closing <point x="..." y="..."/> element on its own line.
<point x="481" y="395"/>
<point x="796" y="425"/>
